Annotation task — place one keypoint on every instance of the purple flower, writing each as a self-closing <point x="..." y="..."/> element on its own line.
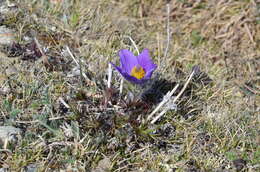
<point x="135" y="69"/>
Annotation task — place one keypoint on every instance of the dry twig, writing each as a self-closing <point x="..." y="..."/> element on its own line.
<point x="174" y="100"/>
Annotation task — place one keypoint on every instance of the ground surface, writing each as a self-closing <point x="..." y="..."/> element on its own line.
<point x="56" y="92"/>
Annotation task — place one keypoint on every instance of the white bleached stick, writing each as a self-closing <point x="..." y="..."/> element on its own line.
<point x="168" y="30"/>
<point x="72" y="56"/>
<point x="109" y="75"/>
<point x="176" y="98"/>
<point x="166" y="98"/>
<point x="134" y="44"/>
<point x="63" y="102"/>
<point x="121" y="86"/>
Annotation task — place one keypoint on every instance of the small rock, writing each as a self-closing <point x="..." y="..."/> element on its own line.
<point x="6" y="7"/>
<point x="8" y="66"/>
<point x="56" y="1"/>
<point x="4" y="90"/>
<point x="31" y="168"/>
<point x="11" y="70"/>
<point x="3" y="170"/>
<point x="239" y="164"/>
<point x="9" y="133"/>
<point x="7" y="36"/>
<point x="103" y="165"/>
<point x="75" y="72"/>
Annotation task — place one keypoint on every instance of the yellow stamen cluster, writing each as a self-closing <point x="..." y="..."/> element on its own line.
<point x="138" y="72"/>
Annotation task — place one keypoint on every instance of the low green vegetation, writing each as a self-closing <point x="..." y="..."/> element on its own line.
<point x="54" y="86"/>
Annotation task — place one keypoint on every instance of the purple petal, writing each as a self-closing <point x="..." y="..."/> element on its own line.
<point x="133" y="79"/>
<point x="127" y="76"/>
<point x="148" y="74"/>
<point x="127" y="60"/>
<point x="145" y="61"/>
<point x="120" y="70"/>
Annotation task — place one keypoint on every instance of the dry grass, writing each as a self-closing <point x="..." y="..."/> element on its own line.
<point x="71" y="121"/>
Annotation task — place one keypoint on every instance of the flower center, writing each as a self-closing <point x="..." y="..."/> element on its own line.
<point x="138" y="72"/>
